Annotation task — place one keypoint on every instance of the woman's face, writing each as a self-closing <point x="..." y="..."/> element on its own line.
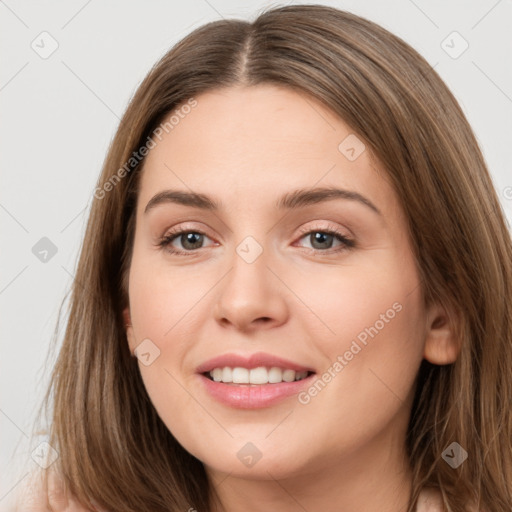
<point x="260" y="277"/>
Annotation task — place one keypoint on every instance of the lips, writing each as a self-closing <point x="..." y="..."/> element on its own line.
<point x="251" y="361"/>
<point x="240" y="394"/>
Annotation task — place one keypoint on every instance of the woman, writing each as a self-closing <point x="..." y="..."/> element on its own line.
<point x="294" y="289"/>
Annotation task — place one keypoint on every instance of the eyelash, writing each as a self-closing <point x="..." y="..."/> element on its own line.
<point x="346" y="243"/>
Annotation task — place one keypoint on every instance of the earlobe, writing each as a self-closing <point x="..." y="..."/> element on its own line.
<point x="129" y="329"/>
<point x="441" y="343"/>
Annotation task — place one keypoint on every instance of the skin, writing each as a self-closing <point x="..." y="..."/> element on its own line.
<point x="246" y="147"/>
<point x="52" y="497"/>
<point x="345" y="449"/>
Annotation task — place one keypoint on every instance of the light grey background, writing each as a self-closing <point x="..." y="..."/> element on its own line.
<point x="58" y="115"/>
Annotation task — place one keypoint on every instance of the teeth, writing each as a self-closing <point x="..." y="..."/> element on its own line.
<point x="227" y="374"/>
<point x="275" y="375"/>
<point x="216" y="374"/>
<point x="289" y="375"/>
<point x="260" y="375"/>
<point x="240" y="376"/>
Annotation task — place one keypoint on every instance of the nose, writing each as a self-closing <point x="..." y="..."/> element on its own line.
<point x="251" y="296"/>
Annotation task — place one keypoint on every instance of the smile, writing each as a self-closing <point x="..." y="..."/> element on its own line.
<point x="256" y="376"/>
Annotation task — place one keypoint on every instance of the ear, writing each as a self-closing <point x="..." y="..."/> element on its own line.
<point x="442" y="346"/>
<point x="129" y="329"/>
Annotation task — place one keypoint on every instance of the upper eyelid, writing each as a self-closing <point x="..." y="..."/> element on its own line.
<point x="176" y="232"/>
<point x="186" y="226"/>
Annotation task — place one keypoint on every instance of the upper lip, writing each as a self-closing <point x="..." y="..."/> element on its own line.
<point x="250" y="361"/>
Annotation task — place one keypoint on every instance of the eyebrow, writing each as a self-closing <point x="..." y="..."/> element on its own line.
<point x="291" y="200"/>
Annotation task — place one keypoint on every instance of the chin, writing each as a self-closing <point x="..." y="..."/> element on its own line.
<point x="256" y="461"/>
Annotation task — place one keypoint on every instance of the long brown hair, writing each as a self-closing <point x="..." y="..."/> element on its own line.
<point x="113" y="446"/>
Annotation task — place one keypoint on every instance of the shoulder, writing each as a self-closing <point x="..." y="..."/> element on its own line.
<point x="29" y="495"/>
<point x="430" y="500"/>
<point x="42" y="492"/>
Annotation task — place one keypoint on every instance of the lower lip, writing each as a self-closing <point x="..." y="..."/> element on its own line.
<point x="256" y="396"/>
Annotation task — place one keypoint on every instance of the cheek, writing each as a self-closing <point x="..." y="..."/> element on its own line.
<point x="165" y="309"/>
<point x="163" y="301"/>
<point x="372" y="325"/>
<point x="159" y="313"/>
<point x="376" y="301"/>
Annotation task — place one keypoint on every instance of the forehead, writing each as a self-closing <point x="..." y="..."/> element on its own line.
<point x="256" y="117"/>
<point x="254" y="141"/>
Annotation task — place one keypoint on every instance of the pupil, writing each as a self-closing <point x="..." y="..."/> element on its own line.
<point x="189" y="239"/>
<point x="321" y="238"/>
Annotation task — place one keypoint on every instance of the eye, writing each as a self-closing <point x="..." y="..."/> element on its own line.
<point x="191" y="240"/>
<point x="322" y="239"/>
